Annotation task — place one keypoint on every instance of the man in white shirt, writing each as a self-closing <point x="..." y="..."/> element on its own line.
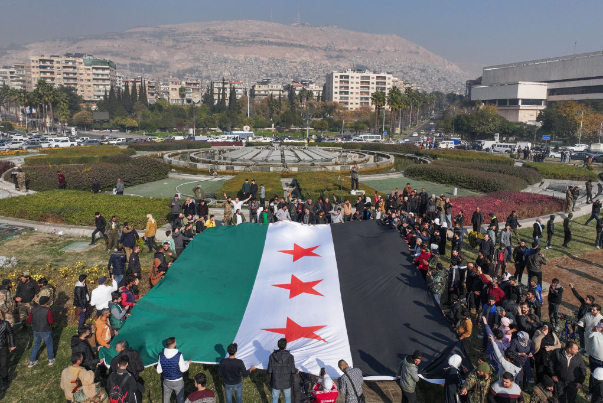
<point x="588" y="322"/>
<point x="101" y="295"/>
<point x="283" y="214"/>
<point x="238" y="205"/>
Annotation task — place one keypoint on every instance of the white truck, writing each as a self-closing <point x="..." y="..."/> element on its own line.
<point x="62" y="142"/>
<point x="578" y="147"/>
<point x="598" y="147"/>
<point x="486" y="144"/>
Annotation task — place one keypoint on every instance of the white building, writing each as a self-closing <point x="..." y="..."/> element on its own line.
<point x="354" y="88"/>
<point x="521" y="90"/>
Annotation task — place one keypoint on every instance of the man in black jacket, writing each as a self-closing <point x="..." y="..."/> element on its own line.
<point x="486" y="246"/>
<point x="513" y="222"/>
<point x="566" y="367"/>
<point x="81" y="298"/>
<point x="308" y="218"/>
<point x="595" y="211"/>
<point x="135" y="366"/>
<point x="134" y="267"/>
<point x="100" y="225"/>
<point x="80" y="345"/>
<point x="555" y="298"/>
<point x="7" y="344"/>
<point x="121" y="385"/>
<point x="27" y="289"/>
<point x="520" y="263"/>
<point x="477" y="220"/>
<point x="281" y="367"/>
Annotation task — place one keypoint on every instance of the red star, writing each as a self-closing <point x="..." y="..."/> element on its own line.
<point x="293" y="331"/>
<point x="298" y="252"/>
<point x="298" y="287"/>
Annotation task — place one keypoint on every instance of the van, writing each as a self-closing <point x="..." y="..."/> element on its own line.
<point x="507" y="148"/>
<point x="117" y="141"/>
<point x="446" y="144"/>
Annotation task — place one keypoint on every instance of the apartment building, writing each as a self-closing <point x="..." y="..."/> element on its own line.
<point x="90" y="76"/>
<point x="353" y="88"/>
<point x="239" y="86"/>
<point x="265" y="88"/>
<point x="13" y="76"/>
<point x="297" y="86"/>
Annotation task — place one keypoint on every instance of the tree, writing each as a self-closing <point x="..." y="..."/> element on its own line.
<point x="394" y="100"/>
<point x="182" y="92"/>
<point x="125" y="98"/>
<point x="208" y="97"/>
<point x="83" y="119"/>
<point x="321" y="125"/>
<point x="378" y="99"/>
<point x="133" y="95"/>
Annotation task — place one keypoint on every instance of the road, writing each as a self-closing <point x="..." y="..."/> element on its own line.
<point x="427" y="126"/>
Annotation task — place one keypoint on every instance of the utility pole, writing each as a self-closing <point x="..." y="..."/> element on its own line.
<point x="581" y="121"/>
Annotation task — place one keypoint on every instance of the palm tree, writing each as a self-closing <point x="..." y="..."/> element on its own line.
<point x="378" y="99"/>
<point x="394" y="100"/>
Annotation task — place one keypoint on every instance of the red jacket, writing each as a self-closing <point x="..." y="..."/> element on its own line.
<point x="496" y="292"/>
<point x="423" y="257"/>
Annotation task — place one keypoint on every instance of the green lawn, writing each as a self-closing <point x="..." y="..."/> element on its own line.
<point x="166" y="188"/>
<point x="387" y="185"/>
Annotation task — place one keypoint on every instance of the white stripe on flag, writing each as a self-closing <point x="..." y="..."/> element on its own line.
<point x="317" y="320"/>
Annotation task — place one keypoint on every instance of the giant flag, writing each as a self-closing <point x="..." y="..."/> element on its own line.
<point x="343" y="291"/>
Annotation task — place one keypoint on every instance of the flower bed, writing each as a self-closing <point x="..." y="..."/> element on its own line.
<point x="562" y="171"/>
<point x="77" y="208"/>
<point x="502" y="203"/>
<point x="8" y="153"/>
<point x="471" y="177"/>
<point x="467" y="156"/>
<point x="132" y="171"/>
<point x="77" y="155"/>
<point x="169" y="145"/>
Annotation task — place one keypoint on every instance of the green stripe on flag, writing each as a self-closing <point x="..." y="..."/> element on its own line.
<point x="202" y="299"/>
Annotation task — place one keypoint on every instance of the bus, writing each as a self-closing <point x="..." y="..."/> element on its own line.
<point x="371" y="138"/>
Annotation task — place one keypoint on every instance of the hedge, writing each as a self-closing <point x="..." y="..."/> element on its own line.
<point x="271" y="181"/>
<point x="466" y="156"/>
<point x="472" y="179"/>
<point x="169" y="145"/>
<point x="529" y="175"/>
<point x="73" y="207"/>
<point x="77" y="155"/>
<point x="323" y="184"/>
<point x="132" y="171"/>
<point x="552" y="170"/>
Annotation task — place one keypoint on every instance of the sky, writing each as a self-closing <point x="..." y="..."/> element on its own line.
<point x="470" y="33"/>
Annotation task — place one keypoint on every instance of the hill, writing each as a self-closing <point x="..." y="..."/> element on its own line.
<point x="252" y="50"/>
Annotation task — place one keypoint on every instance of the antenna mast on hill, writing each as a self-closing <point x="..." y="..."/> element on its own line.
<point x="271" y="16"/>
<point x="298" y="16"/>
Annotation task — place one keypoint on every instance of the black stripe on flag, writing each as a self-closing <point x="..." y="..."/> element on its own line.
<point x="389" y="312"/>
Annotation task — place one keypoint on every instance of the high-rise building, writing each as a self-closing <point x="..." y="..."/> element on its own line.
<point x="353" y="88"/>
<point x="90" y="76"/>
<point x="13" y="76"/>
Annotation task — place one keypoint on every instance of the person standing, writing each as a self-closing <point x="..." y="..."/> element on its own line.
<point x="135" y="366"/>
<point x="281" y="367"/>
<point x="589" y="191"/>
<point x="117" y="264"/>
<point x="21" y="181"/>
<point x="81" y="299"/>
<point x="513" y="222"/>
<point x="594" y="212"/>
<point x="62" y="181"/>
<point x="175" y="206"/>
<point x="567" y="230"/>
<point x="350" y="383"/>
<point x="100" y="225"/>
<point x="568" y="200"/>
<point x="568" y="371"/>
<point x="128" y="239"/>
<point x="253" y="188"/>
<point x="96" y="186"/>
<point x="101" y="295"/>
<point x="518" y="258"/>
<point x="505" y="391"/>
<point x="112" y="232"/>
<point x="228" y="208"/>
<point x="41" y="320"/>
<point x="452" y="379"/>
<point x="534" y="264"/>
<point x="550" y="230"/>
<point x="599" y="236"/>
<point x="354" y="171"/>
<point x="171" y="365"/>
<point x="555" y="298"/>
<point x="478" y="383"/>
<point x="262" y="195"/>
<point x="134" y="267"/>
<point x="7" y="345"/>
<point x="7" y="302"/>
<point x="150" y="232"/>
<point x="232" y="371"/>
<point x="119" y="187"/>
<point x="201" y="394"/>
<point x="26" y="292"/>
<point x="246" y="189"/>
<point x="408" y="373"/>
<point x="477" y="219"/>
<point x="198" y="194"/>
<point x="537" y="231"/>
<point x="122" y="386"/>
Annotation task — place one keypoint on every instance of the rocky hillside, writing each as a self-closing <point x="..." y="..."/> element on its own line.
<point x="252" y="50"/>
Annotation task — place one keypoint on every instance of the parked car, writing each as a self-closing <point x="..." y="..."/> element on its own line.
<point x="91" y="142"/>
<point x="4" y="147"/>
<point x="31" y="145"/>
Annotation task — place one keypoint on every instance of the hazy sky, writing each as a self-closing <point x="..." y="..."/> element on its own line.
<point x="470" y="33"/>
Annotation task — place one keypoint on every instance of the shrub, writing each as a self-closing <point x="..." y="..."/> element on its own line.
<point x="529" y="175"/>
<point x="472" y="179"/>
<point x="551" y="170"/>
<point x="77" y="208"/>
<point x="324" y="184"/>
<point x="504" y="202"/>
<point x="169" y="145"/>
<point x="271" y="181"/>
<point x="472" y="238"/>
<point x="77" y="155"/>
<point x="394" y="148"/>
<point x="5" y="166"/>
<point x="133" y="171"/>
<point x="467" y="156"/>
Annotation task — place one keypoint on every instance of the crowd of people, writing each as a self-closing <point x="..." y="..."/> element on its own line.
<point x="520" y="348"/>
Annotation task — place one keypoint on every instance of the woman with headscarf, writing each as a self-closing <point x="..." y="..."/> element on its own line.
<point x="452" y="379"/>
<point x="90" y="392"/>
<point x="149" y="233"/>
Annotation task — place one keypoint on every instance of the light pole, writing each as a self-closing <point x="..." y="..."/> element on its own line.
<point x="307" y="117"/>
<point x="600" y="128"/>
<point x="581" y="121"/>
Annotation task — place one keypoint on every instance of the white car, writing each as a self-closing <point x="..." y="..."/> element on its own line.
<point x="578" y="147"/>
<point x="415" y="134"/>
<point x="555" y="154"/>
<point x="63" y="143"/>
<point x="117" y="141"/>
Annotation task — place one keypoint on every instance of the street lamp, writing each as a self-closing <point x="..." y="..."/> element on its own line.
<point x="307" y="118"/>
<point x="581" y="121"/>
